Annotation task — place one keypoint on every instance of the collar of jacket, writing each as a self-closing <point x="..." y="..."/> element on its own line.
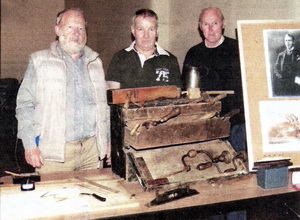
<point x="90" y="55"/>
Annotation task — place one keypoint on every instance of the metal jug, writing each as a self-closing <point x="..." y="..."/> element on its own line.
<point x="192" y="77"/>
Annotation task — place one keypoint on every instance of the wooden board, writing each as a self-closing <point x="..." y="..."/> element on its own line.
<point x="147" y="127"/>
<point x="212" y="193"/>
<point x="158" y="109"/>
<point x="59" y="199"/>
<point x="256" y="88"/>
<point x="184" y="130"/>
<point x="141" y="95"/>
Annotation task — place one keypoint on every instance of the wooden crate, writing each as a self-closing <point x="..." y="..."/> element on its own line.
<point x="163" y="123"/>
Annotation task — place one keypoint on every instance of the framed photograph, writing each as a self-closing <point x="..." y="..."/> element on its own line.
<point x="282" y="54"/>
<point x="270" y="65"/>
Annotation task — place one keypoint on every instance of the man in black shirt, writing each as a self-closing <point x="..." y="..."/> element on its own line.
<point x="144" y="63"/>
<point x="220" y="55"/>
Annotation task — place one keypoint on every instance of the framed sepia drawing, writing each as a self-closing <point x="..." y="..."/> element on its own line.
<point x="270" y="65"/>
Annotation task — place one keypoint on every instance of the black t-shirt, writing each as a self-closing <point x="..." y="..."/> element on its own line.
<point x="161" y="70"/>
<point x="223" y="72"/>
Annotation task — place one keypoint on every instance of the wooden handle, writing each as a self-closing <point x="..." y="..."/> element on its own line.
<point x="218" y="98"/>
<point x="173" y="113"/>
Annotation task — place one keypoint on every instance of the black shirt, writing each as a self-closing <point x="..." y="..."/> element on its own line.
<point x="160" y="70"/>
<point x="223" y="73"/>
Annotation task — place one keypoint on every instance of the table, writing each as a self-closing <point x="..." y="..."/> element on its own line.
<point x="57" y="196"/>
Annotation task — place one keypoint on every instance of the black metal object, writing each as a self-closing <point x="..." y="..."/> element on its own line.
<point x="172" y="195"/>
<point x="8" y="123"/>
<point x="11" y="148"/>
<point x="118" y="157"/>
<point x="100" y="198"/>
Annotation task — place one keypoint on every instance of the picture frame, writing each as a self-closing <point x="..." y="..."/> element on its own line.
<point x="266" y="110"/>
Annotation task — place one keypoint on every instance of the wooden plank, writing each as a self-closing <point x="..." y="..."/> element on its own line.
<point x="156" y="111"/>
<point x="62" y="200"/>
<point x="178" y="131"/>
<point x="211" y="193"/>
<point x="141" y="95"/>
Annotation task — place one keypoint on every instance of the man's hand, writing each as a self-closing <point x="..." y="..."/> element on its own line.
<point x="108" y="155"/>
<point x="34" y="157"/>
<point x="297" y="80"/>
<point x="108" y="161"/>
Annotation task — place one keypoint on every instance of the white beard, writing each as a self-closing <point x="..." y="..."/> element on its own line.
<point x="71" y="48"/>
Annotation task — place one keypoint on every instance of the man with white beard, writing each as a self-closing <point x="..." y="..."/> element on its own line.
<point x="62" y="111"/>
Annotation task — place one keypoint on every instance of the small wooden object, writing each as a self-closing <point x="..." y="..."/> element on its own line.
<point x="193" y="93"/>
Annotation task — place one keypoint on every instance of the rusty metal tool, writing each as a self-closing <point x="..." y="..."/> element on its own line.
<point x="173" y="113"/>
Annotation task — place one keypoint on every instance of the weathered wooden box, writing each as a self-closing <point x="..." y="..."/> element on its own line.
<point x="163" y="124"/>
<point x="169" y="122"/>
<point x="176" y="165"/>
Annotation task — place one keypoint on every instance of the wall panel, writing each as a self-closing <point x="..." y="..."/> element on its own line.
<point x="27" y="25"/>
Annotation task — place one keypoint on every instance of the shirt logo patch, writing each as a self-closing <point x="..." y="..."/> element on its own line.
<point x="162" y="74"/>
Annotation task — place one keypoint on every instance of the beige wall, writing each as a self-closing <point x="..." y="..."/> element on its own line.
<point x="27" y="25"/>
<point x="109" y="25"/>
<point x="182" y="19"/>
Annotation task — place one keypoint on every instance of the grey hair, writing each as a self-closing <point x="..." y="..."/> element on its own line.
<point x="211" y="8"/>
<point x="61" y="14"/>
<point x="145" y="13"/>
